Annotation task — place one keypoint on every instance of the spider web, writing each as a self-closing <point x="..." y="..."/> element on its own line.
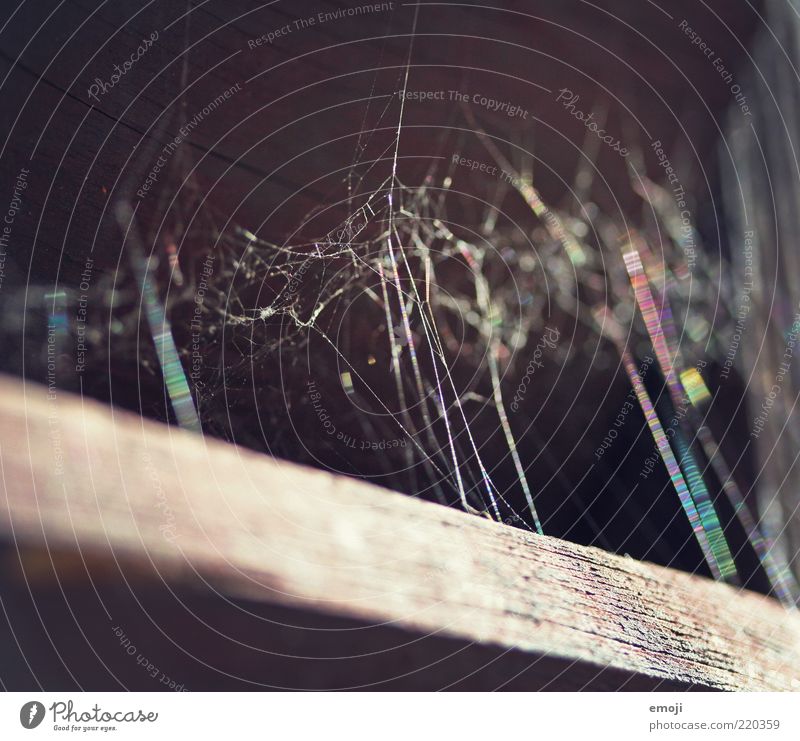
<point x="412" y="328"/>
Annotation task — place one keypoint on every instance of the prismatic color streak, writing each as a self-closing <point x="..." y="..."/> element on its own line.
<point x="701" y="499"/>
<point x="778" y="572"/>
<point x="669" y="460"/>
<point x="178" y="391"/>
<point x="780" y="576"/>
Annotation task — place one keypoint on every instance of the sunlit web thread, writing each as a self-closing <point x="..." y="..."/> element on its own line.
<point x="437" y="352"/>
<point x="531" y="196"/>
<point x="385" y="408"/>
<point x="398" y="203"/>
<point x="310" y="324"/>
<point x="434" y="356"/>
<point x="395" y="352"/>
<point x="412" y="350"/>
<point x="482" y="299"/>
<point x="433" y="335"/>
<point x="484" y="302"/>
<point x="435" y="346"/>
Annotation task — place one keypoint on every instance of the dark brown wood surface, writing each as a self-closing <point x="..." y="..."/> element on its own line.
<point x="137" y="503"/>
<point x="290" y="131"/>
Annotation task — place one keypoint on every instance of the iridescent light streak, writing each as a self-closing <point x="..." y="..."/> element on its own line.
<point x="705" y="507"/>
<point x="673" y="468"/>
<point x="58" y="312"/>
<point x="778" y="572"/>
<point x="609" y="327"/>
<point x="780" y="576"/>
<point x="655" y="324"/>
<point x="652" y="319"/>
<point x="695" y="386"/>
<point x="347" y="382"/>
<point x="180" y="396"/>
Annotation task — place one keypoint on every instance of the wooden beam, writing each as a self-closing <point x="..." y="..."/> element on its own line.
<point x="82" y="478"/>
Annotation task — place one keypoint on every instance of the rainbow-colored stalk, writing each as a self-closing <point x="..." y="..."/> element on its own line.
<point x="781" y="579"/>
<point x="655" y="322"/>
<point x="180" y="396"/>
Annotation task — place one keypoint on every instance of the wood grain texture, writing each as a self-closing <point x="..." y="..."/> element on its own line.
<point x="185" y="507"/>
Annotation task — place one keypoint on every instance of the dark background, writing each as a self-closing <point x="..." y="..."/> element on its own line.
<point x="279" y="148"/>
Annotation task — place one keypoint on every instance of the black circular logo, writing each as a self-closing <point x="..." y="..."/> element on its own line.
<point x="31" y="714"/>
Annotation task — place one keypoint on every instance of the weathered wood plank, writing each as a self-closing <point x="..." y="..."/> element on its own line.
<point x="81" y="476"/>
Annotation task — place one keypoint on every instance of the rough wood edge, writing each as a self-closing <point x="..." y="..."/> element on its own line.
<point x="77" y="475"/>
